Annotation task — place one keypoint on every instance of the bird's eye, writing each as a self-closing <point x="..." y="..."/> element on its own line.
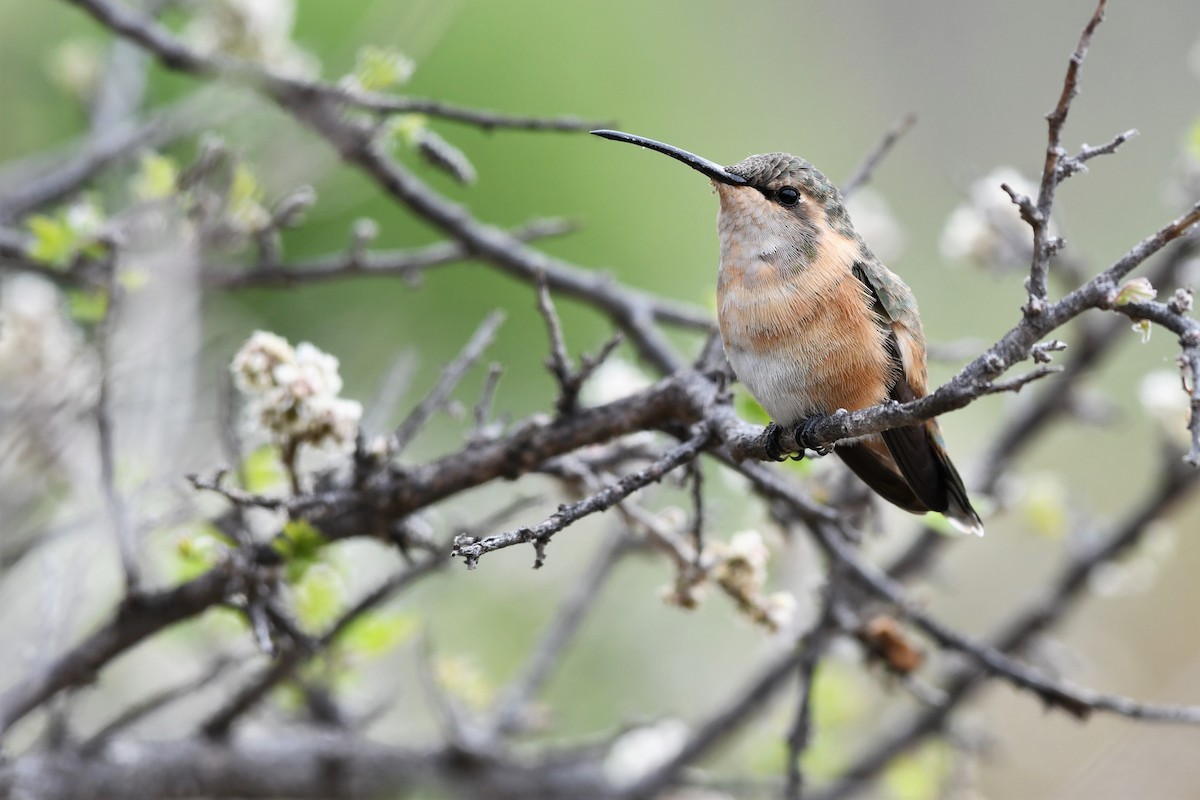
<point x="788" y="196"/>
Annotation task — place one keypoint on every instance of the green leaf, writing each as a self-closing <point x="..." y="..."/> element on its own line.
<point x="920" y="775"/>
<point x="748" y="408"/>
<point x="373" y="634"/>
<point x="87" y="305"/>
<point x="405" y="130"/>
<point x="463" y="679"/>
<point x="53" y="241"/>
<point x="245" y="200"/>
<point x="320" y="596"/>
<point x="300" y="545"/>
<point x="380" y="68"/>
<point x="839" y="697"/>
<point x="157" y="177"/>
<point x="1193" y="139"/>
<point x="197" y="551"/>
<point x="1044" y="506"/>
<point x="58" y="238"/>
<point x="262" y="470"/>
<point x="133" y="279"/>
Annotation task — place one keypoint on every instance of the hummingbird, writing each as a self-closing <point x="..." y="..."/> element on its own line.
<point x="812" y="322"/>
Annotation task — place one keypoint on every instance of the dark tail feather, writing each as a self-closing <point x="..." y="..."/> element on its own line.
<point x="909" y="468"/>
<point x="926" y="466"/>
<point x="875" y="467"/>
<point x="958" y="506"/>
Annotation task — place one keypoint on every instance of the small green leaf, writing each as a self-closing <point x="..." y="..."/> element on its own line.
<point x="58" y="238"/>
<point x="919" y="775"/>
<point x="463" y="679"/>
<point x="748" y="408"/>
<point x="405" y="130"/>
<point x="839" y="696"/>
<point x="300" y="545"/>
<point x="157" y="177"/>
<point x="262" y="470"/>
<point x="197" y="551"/>
<point x="1044" y="505"/>
<point x="1193" y="139"/>
<point x="1142" y="327"/>
<point x="87" y="305"/>
<point x="245" y="200"/>
<point x="320" y="596"/>
<point x="380" y="68"/>
<point x="53" y="241"/>
<point x="133" y="279"/>
<point x="373" y="634"/>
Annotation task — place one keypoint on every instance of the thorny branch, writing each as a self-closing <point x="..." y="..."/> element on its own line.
<point x="689" y="404"/>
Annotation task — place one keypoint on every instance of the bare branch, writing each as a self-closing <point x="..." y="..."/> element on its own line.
<point x="862" y="174"/>
<point x="218" y="725"/>
<point x="449" y="379"/>
<point x="353" y="263"/>
<point x="123" y="529"/>
<point x="471" y="549"/>
<point x="1042" y="248"/>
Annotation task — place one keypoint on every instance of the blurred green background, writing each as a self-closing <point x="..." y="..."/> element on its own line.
<point x="816" y="78"/>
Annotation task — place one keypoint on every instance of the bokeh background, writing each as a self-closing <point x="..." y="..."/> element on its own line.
<point x="820" y="79"/>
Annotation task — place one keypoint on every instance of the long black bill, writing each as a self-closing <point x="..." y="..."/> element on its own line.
<point x="709" y="168"/>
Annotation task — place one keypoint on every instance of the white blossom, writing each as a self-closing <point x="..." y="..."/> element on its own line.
<point x="780" y="608"/>
<point x="639" y="752"/>
<point x="987" y="228"/>
<point x="257" y="30"/>
<point x="48" y="380"/>
<point x="742" y="563"/>
<point x="1161" y="394"/>
<point x="874" y="221"/>
<point x="292" y="393"/>
<point x="612" y="380"/>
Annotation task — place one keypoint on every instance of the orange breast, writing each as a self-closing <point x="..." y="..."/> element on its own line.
<point x="812" y="336"/>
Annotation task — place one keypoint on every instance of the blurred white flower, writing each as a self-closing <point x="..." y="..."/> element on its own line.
<point x="780" y="608"/>
<point x="76" y="65"/>
<point x="256" y="30"/>
<point x="612" y="380"/>
<point x="292" y="393"/>
<point x="1161" y="394"/>
<point x="742" y="563"/>
<point x="874" y="221"/>
<point x="987" y="228"/>
<point x="48" y="380"/>
<point x="639" y="752"/>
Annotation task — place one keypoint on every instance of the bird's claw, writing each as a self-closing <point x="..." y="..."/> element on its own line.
<point x="774" y="448"/>
<point x="805" y="438"/>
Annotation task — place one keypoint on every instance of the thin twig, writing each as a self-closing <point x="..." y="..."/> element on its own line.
<point x="1042" y="246"/>
<point x="862" y="174"/>
<point x="449" y="379"/>
<point x="123" y="529"/>
<point x="218" y="724"/>
<point x="154" y="703"/>
<point x="471" y="549"/>
<point x="812" y="647"/>
<point x="352" y="263"/>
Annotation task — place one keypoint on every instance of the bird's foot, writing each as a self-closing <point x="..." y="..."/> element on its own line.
<point x="774" y="448"/>
<point x="805" y="438"/>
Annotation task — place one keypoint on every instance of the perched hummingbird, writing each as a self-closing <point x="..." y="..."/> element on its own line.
<point x="812" y="322"/>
